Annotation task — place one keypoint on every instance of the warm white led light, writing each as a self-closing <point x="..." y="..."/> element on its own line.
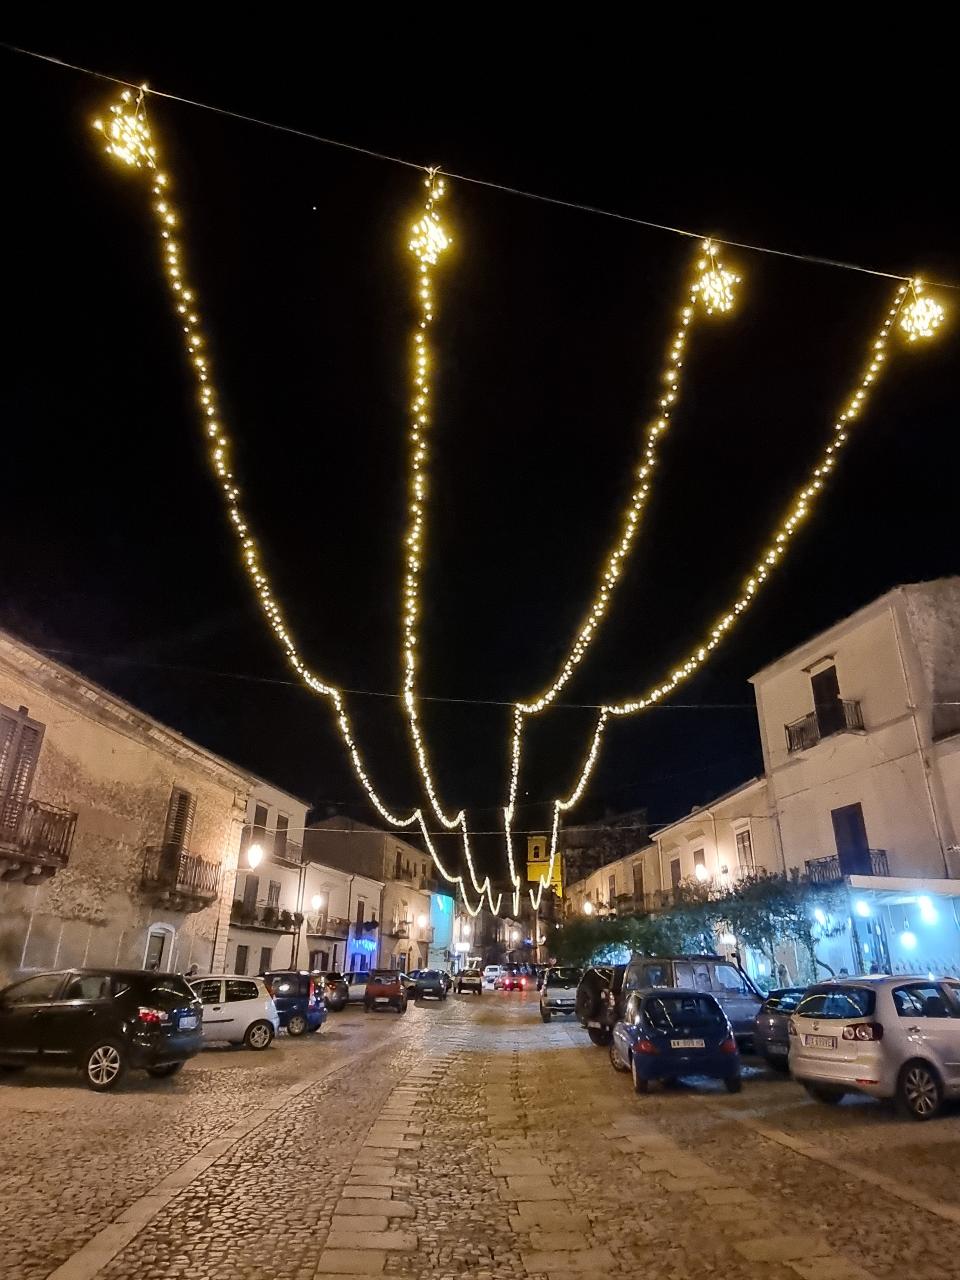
<point x="715" y="285"/>
<point x="921" y="316"/>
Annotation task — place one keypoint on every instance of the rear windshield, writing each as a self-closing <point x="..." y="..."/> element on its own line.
<point x="782" y="1001"/>
<point x="287" y="984"/>
<point x="384" y="975"/>
<point x="669" y="1013"/>
<point x="563" y="977"/>
<point x="331" y="976"/>
<point x="838" y="1002"/>
<point x="170" y="993"/>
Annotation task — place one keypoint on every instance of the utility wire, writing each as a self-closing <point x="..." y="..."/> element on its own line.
<point x="373" y="154"/>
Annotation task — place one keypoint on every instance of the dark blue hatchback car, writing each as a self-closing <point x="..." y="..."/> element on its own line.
<point x="668" y="1033"/>
<point x="300" y="1004"/>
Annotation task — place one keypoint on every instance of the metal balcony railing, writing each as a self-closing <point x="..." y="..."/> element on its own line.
<point x="842" y="716"/>
<point x="178" y="877"/>
<point x="36" y="833"/>
<point x="265" y="915"/>
<point x="861" y="862"/>
<point x="324" y="926"/>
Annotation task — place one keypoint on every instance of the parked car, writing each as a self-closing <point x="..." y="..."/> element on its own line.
<point x="335" y="989"/>
<point x="559" y="991"/>
<point x="599" y="1003"/>
<point x="427" y="982"/>
<point x="102" y="1021"/>
<point x="491" y="973"/>
<point x="724" y="980"/>
<point x="668" y="1034"/>
<point x="886" y="1037"/>
<point x="357" y="985"/>
<point x="238" y="1009"/>
<point x="470" y="980"/>
<point x="299" y="1000"/>
<point x="771" y="1031"/>
<point x="386" y="987"/>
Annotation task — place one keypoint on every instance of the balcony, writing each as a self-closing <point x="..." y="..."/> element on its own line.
<point x="400" y="929"/>
<point x="264" y="915"/>
<point x="324" y="926"/>
<point x="35" y="840"/>
<point x="861" y="862"/>
<point x="275" y="845"/>
<point x="842" y="716"/>
<point x="178" y="879"/>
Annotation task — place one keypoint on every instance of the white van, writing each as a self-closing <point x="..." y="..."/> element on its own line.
<point x="491" y="973"/>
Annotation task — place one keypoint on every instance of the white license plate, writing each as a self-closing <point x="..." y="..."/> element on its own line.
<point x="686" y="1044"/>
<point x="380" y="999"/>
<point x="821" y="1042"/>
<point x="188" y="1022"/>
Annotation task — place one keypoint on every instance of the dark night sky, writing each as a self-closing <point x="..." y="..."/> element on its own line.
<point x="550" y="336"/>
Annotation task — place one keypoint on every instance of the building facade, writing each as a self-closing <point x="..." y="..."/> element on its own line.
<point x="119" y="838"/>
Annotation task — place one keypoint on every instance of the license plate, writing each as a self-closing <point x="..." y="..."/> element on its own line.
<point x="821" y="1042"/>
<point x="188" y="1022"/>
<point x="593" y="1024"/>
<point x="686" y="1044"/>
<point x="380" y="999"/>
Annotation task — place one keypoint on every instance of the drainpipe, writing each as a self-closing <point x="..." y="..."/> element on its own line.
<point x="925" y="765"/>
<point x="346" y="945"/>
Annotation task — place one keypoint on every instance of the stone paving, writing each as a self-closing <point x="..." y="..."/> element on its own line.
<point x="465" y="1140"/>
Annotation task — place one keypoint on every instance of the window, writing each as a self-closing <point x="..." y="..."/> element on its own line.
<point x="826" y="701"/>
<point x="398" y="866"/>
<point x="638" y="882"/>
<point x="745" y="851"/>
<point x="361" y="907"/>
<point x="728" y="979"/>
<point x="423" y="871"/>
<point x="241" y="961"/>
<point x="273" y="893"/>
<point x="673" y="1013"/>
<point x="266" y="955"/>
<point x="319" y="961"/>
<point x="923" y="1000"/>
<point x="237" y="989"/>
<point x="20" y="739"/>
<point x="700" y="860"/>
<point x="180" y="814"/>
<point x="209" y="989"/>
<point x="280" y="837"/>
<point x="674" y="871"/>
<point x="34" y="990"/>
<point x="260" y="819"/>
<point x="88" y="986"/>
<point x="159" y="941"/>
<point x="846" y="1002"/>
<point x="611" y="890"/>
<point x="850" y="834"/>
<point x="251" y="887"/>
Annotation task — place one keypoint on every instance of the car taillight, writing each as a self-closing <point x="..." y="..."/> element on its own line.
<point x="863" y="1031"/>
<point x="152" y="1017"/>
<point x="729" y="1045"/>
<point x="311" y="991"/>
<point x="645" y="1046"/>
<point x="791" y="1028"/>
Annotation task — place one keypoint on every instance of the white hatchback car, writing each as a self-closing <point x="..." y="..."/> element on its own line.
<point x="238" y="1009"/>
<point x="558" y="993"/>
<point x="886" y="1037"/>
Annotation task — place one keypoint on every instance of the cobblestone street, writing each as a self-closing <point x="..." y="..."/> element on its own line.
<point x="465" y="1140"/>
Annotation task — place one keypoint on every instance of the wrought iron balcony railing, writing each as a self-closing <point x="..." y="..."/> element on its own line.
<point x="324" y="926"/>
<point x="180" y="879"/>
<point x="842" y="716"/>
<point x="265" y="915"/>
<point x="861" y="862"/>
<point x="35" y="839"/>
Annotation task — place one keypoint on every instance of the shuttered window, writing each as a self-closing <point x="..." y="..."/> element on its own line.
<point x="180" y="815"/>
<point x="20" y="739"/>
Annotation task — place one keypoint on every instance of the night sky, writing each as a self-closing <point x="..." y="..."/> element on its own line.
<point x="552" y="326"/>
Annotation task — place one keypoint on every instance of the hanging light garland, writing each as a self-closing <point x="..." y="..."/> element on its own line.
<point x="128" y="139"/>
<point x="921" y="316"/>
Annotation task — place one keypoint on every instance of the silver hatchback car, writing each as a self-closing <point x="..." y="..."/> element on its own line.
<point x="886" y="1037"/>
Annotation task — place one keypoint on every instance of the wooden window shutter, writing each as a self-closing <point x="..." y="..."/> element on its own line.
<point x="20" y="739"/>
<point x="180" y="815"/>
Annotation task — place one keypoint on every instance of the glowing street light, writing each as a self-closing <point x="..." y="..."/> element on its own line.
<point x="422" y="920"/>
<point x="317" y="901"/>
<point x="588" y="908"/>
<point x="254" y="855"/>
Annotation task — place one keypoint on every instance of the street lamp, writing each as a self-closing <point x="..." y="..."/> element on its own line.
<point x="515" y="935"/>
<point x="254" y="855"/>
<point x="422" y="920"/>
<point x="588" y="908"/>
<point x="465" y="931"/>
<point x="316" y="901"/>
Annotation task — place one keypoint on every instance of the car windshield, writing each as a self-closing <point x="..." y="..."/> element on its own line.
<point x="563" y="977"/>
<point x="669" y="1013"/>
<point x="429" y="973"/>
<point x="838" y="1002"/>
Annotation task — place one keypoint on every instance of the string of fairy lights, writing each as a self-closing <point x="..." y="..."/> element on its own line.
<point x="712" y="289"/>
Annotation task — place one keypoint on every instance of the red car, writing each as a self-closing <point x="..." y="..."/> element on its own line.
<point x="513" y="982"/>
<point x="385" y="989"/>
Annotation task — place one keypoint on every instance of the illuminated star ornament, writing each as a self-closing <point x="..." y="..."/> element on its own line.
<point x="715" y="286"/>
<point x="921" y="317"/>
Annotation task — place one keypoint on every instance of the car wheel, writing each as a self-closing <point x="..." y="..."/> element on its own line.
<point x="733" y="1084"/>
<point x="639" y="1084"/>
<point x="615" y="1060"/>
<point x="403" y="1007"/>
<point x="827" y="1093"/>
<point x="919" y="1091"/>
<point x="104" y="1066"/>
<point x="297" y="1024"/>
<point x="259" y="1035"/>
<point x="167" y="1069"/>
<point x="600" y="1036"/>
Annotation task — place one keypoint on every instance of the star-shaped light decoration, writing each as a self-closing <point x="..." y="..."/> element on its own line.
<point x="715" y="286"/>
<point x="921" y="317"/>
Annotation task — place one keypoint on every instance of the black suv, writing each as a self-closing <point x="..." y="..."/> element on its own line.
<point x="600" y="1001"/>
<point x="104" y="1021"/>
